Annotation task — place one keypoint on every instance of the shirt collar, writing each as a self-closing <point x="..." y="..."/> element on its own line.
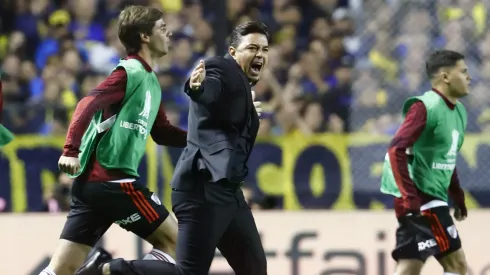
<point x="141" y="60"/>
<point x="448" y="103"/>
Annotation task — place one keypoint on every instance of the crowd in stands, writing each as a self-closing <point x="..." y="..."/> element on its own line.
<point x="335" y="66"/>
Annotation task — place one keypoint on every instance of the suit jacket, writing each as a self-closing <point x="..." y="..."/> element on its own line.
<point x="220" y="112"/>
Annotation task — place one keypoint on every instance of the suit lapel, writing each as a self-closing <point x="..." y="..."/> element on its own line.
<point x="253" y="116"/>
<point x="242" y="75"/>
<point x="246" y="84"/>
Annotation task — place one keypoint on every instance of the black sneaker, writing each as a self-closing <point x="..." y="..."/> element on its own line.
<point x="95" y="259"/>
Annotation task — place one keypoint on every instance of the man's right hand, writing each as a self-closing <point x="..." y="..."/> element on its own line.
<point x="197" y="76"/>
<point x="69" y="165"/>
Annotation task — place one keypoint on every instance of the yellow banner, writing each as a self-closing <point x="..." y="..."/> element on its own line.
<point x="323" y="171"/>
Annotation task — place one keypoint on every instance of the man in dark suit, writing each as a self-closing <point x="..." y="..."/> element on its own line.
<point x="206" y="188"/>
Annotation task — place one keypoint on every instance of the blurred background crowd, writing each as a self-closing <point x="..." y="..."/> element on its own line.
<point x="336" y="66"/>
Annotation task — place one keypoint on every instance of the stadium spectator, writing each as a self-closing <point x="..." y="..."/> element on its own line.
<point x="335" y="66"/>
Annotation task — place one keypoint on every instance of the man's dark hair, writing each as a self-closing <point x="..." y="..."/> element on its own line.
<point x="440" y="59"/>
<point x="134" y="20"/>
<point x="247" y="28"/>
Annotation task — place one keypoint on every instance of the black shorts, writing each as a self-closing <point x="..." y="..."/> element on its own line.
<point x="95" y="206"/>
<point x="432" y="233"/>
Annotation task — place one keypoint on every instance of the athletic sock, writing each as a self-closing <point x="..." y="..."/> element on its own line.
<point x="47" y="271"/>
<point x="450" y="273"/>
<point x="159" y="255"/>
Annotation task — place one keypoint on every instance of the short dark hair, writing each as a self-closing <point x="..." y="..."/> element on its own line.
<point x="248" y="28"/>
<point x="134" y="20"/>
<point x="440" y="59"/>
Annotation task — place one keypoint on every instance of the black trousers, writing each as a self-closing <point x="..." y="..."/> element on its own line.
<point x="215" y="215"/>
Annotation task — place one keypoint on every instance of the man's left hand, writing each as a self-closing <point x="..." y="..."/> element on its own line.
<point x="460" y="213"/>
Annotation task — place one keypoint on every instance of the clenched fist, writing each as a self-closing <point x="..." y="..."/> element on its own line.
<point x="197" y="76"/>
<point x="69" y="165"/>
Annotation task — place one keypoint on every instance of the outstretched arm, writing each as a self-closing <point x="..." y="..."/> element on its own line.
<point x="206" y="82"/>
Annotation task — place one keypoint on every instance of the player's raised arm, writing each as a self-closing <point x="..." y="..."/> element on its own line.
<point x="405" y="137"/>
<point x="206" y="82"/>
<point x="164" y="133"/>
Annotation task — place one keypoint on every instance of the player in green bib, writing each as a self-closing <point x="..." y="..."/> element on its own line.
<point x="420" y="170"/>
<point x="104" y="146"/>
